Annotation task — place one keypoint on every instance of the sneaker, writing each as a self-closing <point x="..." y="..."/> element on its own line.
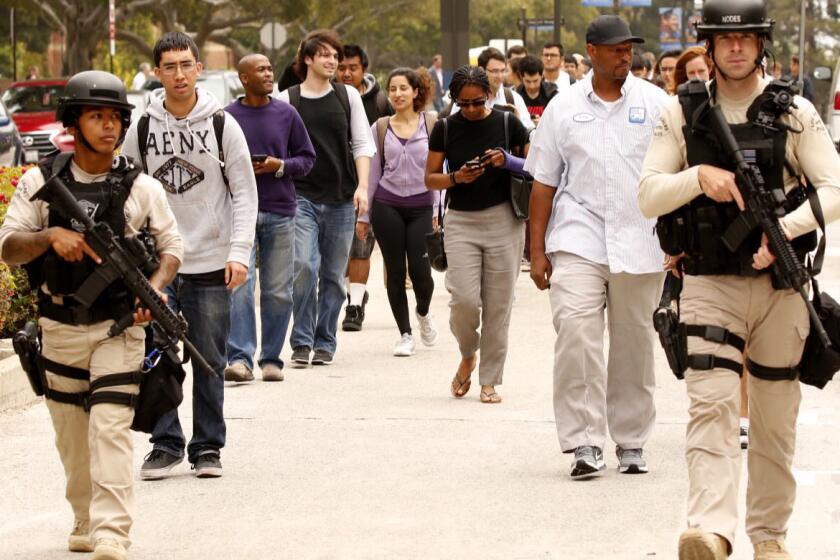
<point x="157" y="464"/>
<point x="630" y="461"/>
<point x="428" y="332"/>
<point x="300" y="355"/>
<point x="745" y="437"/>
<point x="322" y="357"/>
<point x="108" y="549"/>
<point x="405" y="347"/>
<point x="698" y="545"/>
<point x="589" y="462"/>
<point x="208" y="465"/>
<point x="79" y="540"/>
<point x="272" y="372"/>
<point x="238" y="372"/>
<point x="353" y="317"/>
<point x="771" y="550"/>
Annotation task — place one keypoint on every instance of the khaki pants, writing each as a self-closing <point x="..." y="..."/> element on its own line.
<point x="483" y="250"/>
<point x="774" y="324"/>
<point x="95" y="448"/>
<point x="589" y="395"/>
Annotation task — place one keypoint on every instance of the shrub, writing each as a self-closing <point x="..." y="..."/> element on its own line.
<point x="18" y="303"/>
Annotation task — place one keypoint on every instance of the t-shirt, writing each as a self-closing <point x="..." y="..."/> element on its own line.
<point x="469" y="139"/>
<point x="536" y="106"/>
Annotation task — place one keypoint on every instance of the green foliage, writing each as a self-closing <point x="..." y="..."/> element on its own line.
<point x="18" y="302"/>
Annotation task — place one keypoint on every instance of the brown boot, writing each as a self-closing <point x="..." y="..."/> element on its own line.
<point x="771" y="550"/>
<point x="79" y="540"/>
<point x="699" y="545"/>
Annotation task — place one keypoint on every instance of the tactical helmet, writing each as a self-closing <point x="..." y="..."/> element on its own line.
<point x="727" y="16"/>
<point x="93" y="87"/>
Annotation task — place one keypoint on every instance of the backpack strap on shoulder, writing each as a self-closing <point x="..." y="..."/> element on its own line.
<point x="430" y="120"/>
<point x="343" y="98"/>
<point x="509" y="96"/>
<point x="294" y="96"/>
<point x="143" y="139"/>
<point x="381" y="130"/>
<point x="219" y="130"/>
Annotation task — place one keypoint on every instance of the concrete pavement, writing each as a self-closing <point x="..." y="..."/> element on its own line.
<point x="371" y="458"/>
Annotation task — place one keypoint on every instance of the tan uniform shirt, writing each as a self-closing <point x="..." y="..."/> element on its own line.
<point x="668" y="183"/>
<point x="146" y="201"/>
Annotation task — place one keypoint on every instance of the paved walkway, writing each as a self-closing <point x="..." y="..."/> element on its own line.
<point x="372" y="458"/>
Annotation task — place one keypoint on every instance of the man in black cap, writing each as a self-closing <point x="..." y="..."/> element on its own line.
<point x="599" y="253"/>
<point x="732" y="300"/>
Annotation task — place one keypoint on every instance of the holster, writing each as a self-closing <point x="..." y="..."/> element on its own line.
<point x="672" y="334"/>
<point x="27" y="345"/>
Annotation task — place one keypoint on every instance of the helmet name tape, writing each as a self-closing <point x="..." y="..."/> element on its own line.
<point x="731" y="19"/>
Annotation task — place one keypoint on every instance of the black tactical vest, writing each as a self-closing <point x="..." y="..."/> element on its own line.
<point x="105" y="202"/>
<point x="697" y="229"/>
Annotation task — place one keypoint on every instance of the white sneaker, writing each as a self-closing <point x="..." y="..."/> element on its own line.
<point x="405" y="347"/>
<point x="428" y="332"/>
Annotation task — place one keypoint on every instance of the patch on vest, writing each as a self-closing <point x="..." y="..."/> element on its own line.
<point x="90" y="209"/>
<point x="178" y="175"/>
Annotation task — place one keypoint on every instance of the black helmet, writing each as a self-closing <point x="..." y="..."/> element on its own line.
<point x="727" y="16"/>
<point x="93" y="87"/>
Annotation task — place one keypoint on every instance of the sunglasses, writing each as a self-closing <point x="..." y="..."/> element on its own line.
<point x="473" y="103"/>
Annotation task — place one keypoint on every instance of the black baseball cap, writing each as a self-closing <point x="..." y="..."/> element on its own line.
<point x="610" y="30"/>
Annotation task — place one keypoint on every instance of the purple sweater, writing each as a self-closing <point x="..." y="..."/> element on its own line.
<point x="405" y="169"/>
<point x="276" y="130"/>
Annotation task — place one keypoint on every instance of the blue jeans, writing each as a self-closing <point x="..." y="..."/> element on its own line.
<point x="206" y="307"/>
<point x="275" y="239"/>
<point x="323" y="233"/>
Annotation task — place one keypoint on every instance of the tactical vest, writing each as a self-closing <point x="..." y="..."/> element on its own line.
<point x="105" y="202"/>
<point x="698" y="228"/>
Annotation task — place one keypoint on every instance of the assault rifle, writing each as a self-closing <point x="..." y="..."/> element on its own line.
<point x="125" y="263"/>
<point x="766" y="207"/>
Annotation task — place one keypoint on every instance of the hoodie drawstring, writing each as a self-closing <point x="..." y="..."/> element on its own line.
<point x="205" y="149"/>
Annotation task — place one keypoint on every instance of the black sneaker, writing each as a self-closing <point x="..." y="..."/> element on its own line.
<point x="208" y="465"/>
<point x="353" y="317"/>
<point x="157" y="464"/>
<point x="589" y="462"/>
<point x="322" y="357"/>
<point x="300" y="355"/>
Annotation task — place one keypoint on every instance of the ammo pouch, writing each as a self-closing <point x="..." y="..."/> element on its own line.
<point x="161" y="388"/>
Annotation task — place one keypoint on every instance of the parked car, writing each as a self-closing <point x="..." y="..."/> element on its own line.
<point x="32" y="106"/>
<point x="10" y="142"/>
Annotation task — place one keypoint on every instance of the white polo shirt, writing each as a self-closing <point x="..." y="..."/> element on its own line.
<point x="592" y="152"/>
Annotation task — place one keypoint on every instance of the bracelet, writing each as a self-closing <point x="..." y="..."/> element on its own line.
<point x="452" y="179"/>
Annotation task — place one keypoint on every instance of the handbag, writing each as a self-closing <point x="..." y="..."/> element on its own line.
<point x="520" y="185"/>
<point x="434" y="241"/>
<point x="161" y="388"/>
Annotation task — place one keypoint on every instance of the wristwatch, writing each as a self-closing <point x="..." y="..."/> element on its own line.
<point x="279" y="173"/>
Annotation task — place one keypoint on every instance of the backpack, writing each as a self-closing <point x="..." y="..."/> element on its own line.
<point x="218" y="129"/>
<point x="508" y="100"/>
<point x="382" y="128"/>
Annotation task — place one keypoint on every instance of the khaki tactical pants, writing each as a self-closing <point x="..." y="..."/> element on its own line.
<point x="95" y="447"/>
<point x="774" y="324"/>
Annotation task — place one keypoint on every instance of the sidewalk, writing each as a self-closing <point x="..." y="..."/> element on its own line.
<point x="372" y="458"/>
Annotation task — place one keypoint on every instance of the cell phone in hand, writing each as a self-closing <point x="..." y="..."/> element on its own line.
<point x="259" y="158"/>
<point x="474" y="163"/>
<point x="485" y="158"/>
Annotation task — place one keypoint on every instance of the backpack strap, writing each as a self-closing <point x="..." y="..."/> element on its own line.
<point x="507" y="131"/>
<point x="430" y="122"/>
<point x="294" y="96"/>
<point x="381" y="130"/>
<point x="219" y="130"/>
<point x="382" y="105"/>
<point x="143" y="139"/>
<point x="509" y="97"/>
<point x="343" y="98"/>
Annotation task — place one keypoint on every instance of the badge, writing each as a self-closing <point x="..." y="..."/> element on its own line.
<point x="583" y="118"/>
<point x="637" y="115"/>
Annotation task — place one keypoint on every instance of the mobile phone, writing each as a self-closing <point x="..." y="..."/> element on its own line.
<point x="474" y="163"/>
<point x="259" y="158"/>
<point x="485" y="158"/>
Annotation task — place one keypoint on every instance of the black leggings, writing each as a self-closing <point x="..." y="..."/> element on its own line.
<point x="402" y="232"/>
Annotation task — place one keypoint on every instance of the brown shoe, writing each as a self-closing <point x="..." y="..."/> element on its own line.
<point x="79" y="540"/>
<point x="699" y="545"/>
<point x="771" y="550"/>
<point x="238" y="372"/>
<point x="272" y="372"/>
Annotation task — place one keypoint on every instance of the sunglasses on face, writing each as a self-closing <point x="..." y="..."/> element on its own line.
<point x="473" y="103"/>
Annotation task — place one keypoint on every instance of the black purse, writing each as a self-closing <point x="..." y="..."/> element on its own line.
<point x="520" y="186"/>
<point x="434" y="241"/>
<point x="161" y="388"/>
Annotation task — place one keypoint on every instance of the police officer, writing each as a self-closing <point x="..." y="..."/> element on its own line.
<point x="729" y="303"/>
<point x="91" y="377"/>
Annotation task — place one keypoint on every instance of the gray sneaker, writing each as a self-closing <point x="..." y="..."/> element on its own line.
<point x="272" y="372"/>
<point x="157" y="464"/>
<point x="238" y="372"/>
<point x="300" y="356"/>
<point x="322" y="357"/>
<point x="208" y="465"/>
<point x="588" y="463"/>
<point x="630" y="461"/>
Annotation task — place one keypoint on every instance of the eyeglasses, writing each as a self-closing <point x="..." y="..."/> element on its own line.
<point x="497" y="72"/>
<point x="172" y="69"/>
<point x="550" y="55"/>
<point x="473" y="103"/>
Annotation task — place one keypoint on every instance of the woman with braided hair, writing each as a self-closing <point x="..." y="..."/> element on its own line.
<point x="484" y="240"/>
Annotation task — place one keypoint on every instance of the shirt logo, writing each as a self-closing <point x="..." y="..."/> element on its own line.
<point x="637" y="115"/>
<point x="583" y="118"/>
<point x="178" y="175"/>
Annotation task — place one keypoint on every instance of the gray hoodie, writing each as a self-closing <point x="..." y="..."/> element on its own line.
<point x="183" y="156"/>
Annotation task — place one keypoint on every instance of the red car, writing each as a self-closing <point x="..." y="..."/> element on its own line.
<point x="32" y="106"/>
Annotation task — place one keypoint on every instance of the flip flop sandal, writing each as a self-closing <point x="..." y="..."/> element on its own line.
<point x="460" y="388"/>
<point x="490" y="398"/>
